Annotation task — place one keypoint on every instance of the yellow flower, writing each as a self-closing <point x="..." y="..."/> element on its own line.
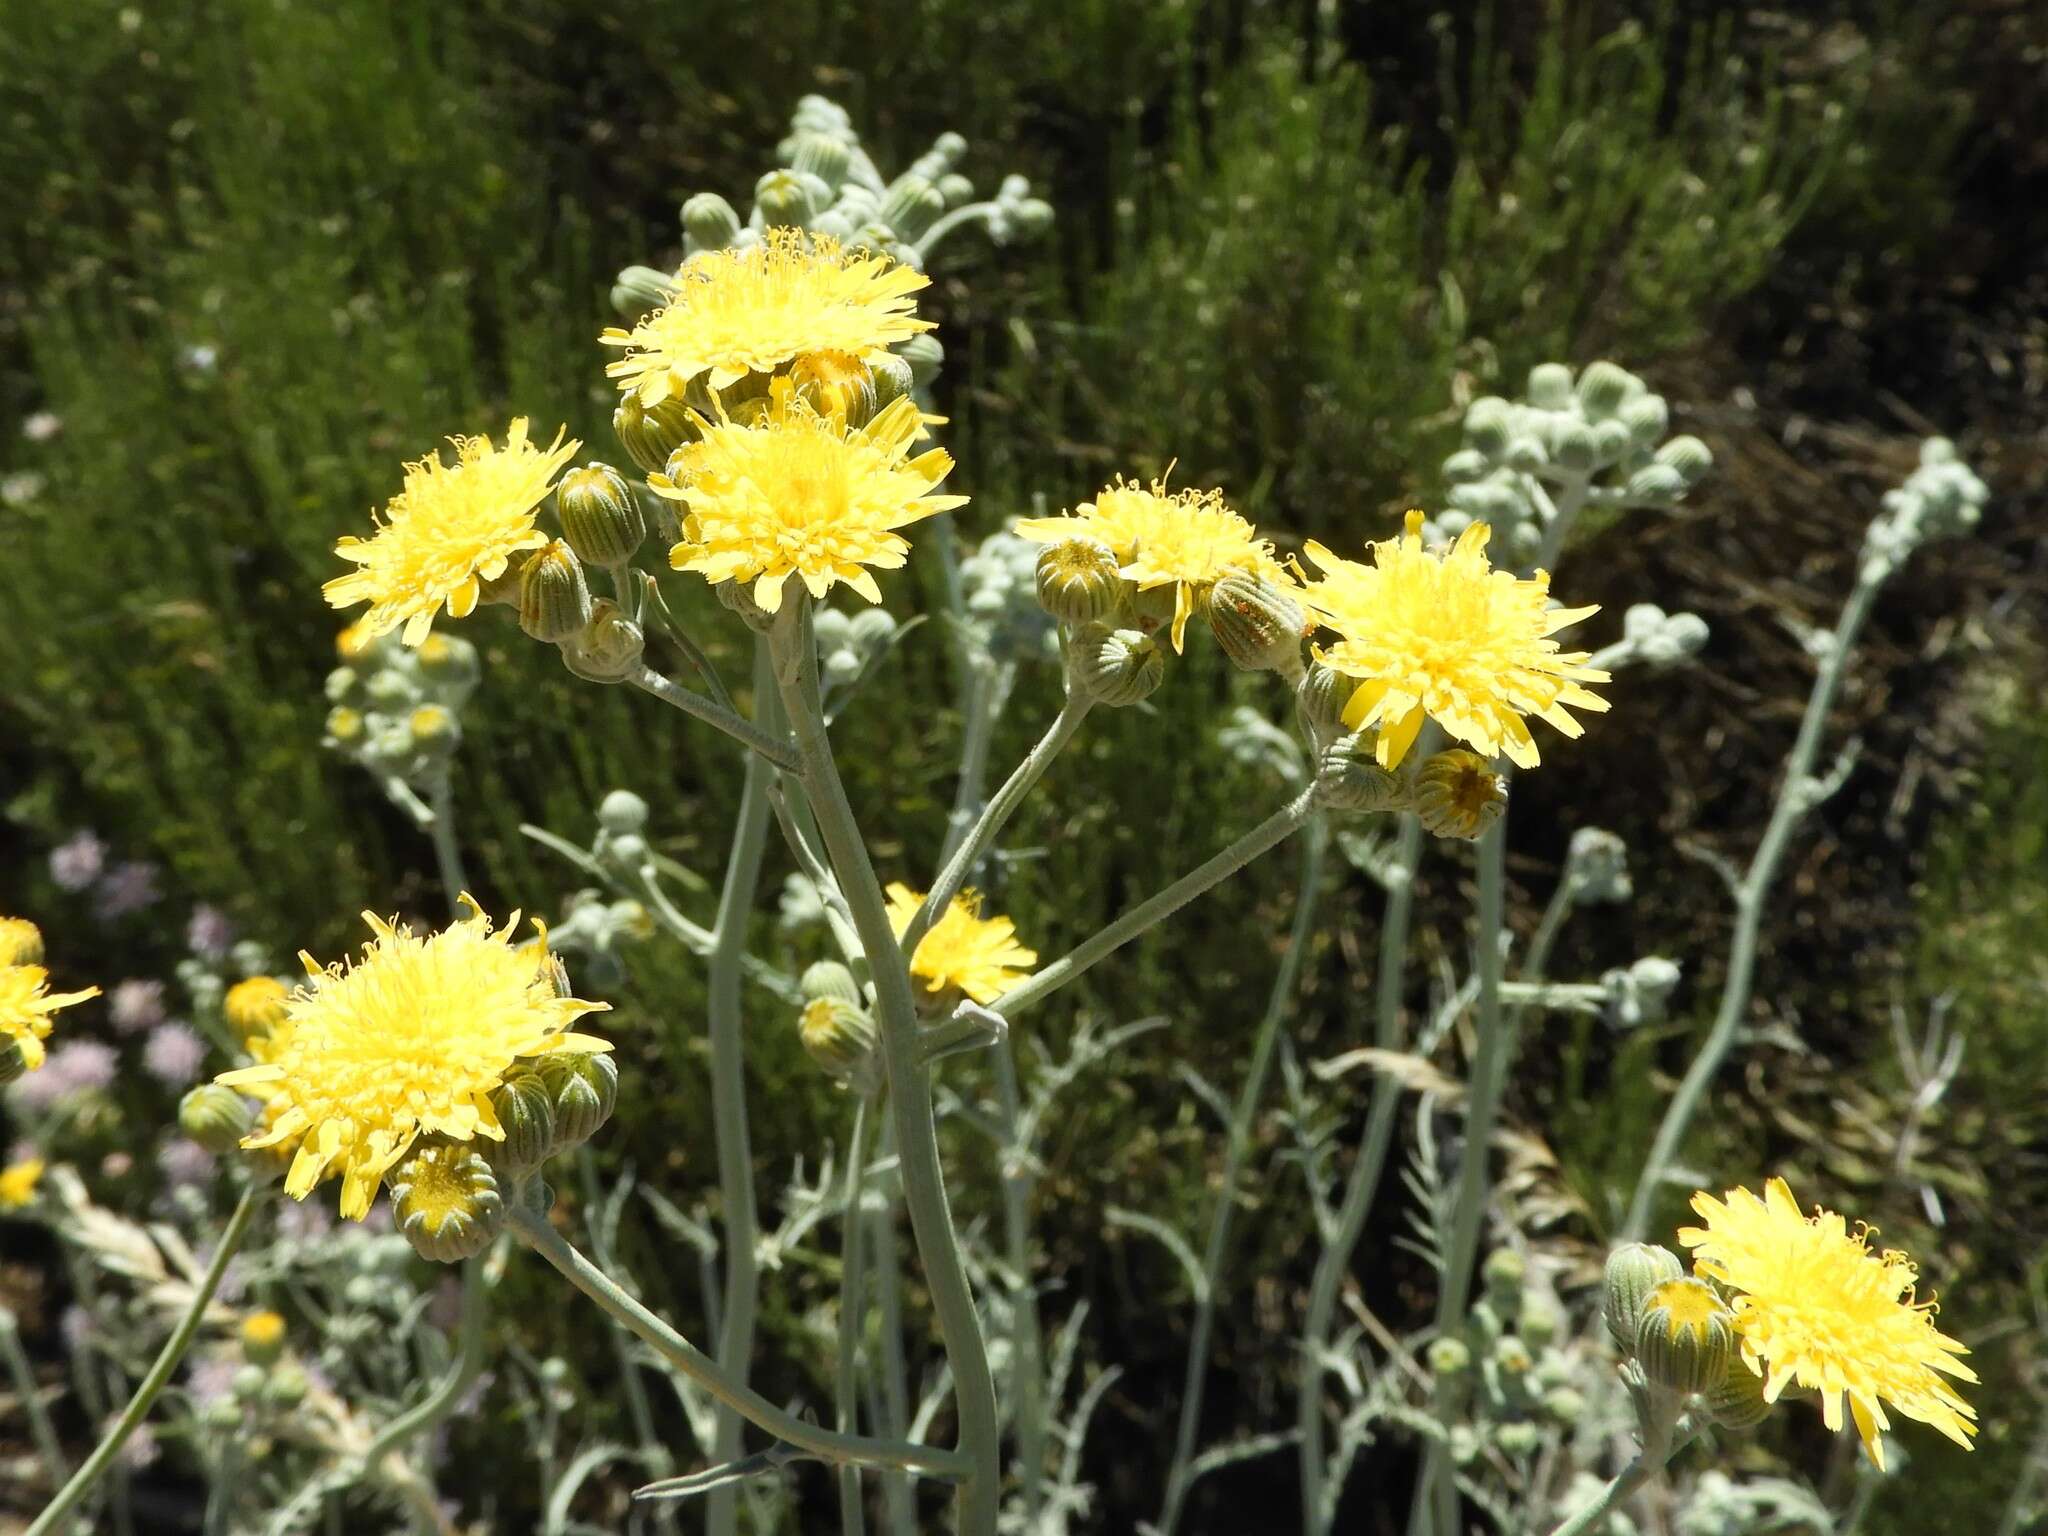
<point x="21" y="942"/>
<point x="754" y="310"/>
<point x="979" y="955"/>
<point x="26" y="1004"/>
<point x="410" y="1040"/>
<point x="1183" y="539"/>
<point x="800" y="494"/>
<point x="1814" y="1306"/>
<point x="18" y="1183"/>
<point x="263" y="1330"/>
<point x="453" y="527"/>
<point x="255" y="1006"/>
<point x="1447" y="637"/>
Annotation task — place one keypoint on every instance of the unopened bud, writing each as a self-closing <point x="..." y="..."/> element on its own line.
<point x="1686" y="1336"/>
<point x="1603" y="387"/>
<point x="585" y="1086"/>
<point x="21" y="942"/>
<point x="912" y="205"/>
<point x="262" y="1335"/>
<point x="1350" y="778"/>
<point x="526" y="1111"/>
<point x="1487" y="421"/>
<point x="1117" y="667"/>
<point x="1634" y="1270"/>
<point x="640" y="289"/>
<point x="1656" y="484"/>
<point x="449" y="663"/>
<point x="925" y="353"/>
<point x="783" y="199"/>
<point x="1647" y="418"/>
<point x="1575" y="448"/>
<point x="13" y="1063"/>
<point x="710" y="222"/>
<point x="1458" y="795"/>
<point x="1737" y="1400"/>
<point x="1258" y="621"/>
<point x="608" y="648"/>
<point x="445" y="1202"/>
<point x="1550" y="386"/>
<point x="837" y="384"/>
<point x="1448" y="1356"/>
<point x="345" y="728"/>
<point x="554" y="599"/>
<point x="839" y="1036"/>
<point x="601" y="517"/>
<point x="216" y="1117"/>
<point x="1078" y="581"/>
<point x="435" y="729"/>
<point x="1689" y="456"/>
<point x="1319" y="700"/>
<point x="1518" y="1438"/>
<point x="650" y="433"/>
<point x="830" y="979"/>
<point x="622" y="811"/>
<point x="823" y="155"/>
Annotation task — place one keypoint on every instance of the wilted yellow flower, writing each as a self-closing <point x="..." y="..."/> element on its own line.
<point x="18" y="1183"/>
<point x="979" y="955"/>
<point x="753" y="310"/>
<point x="409" y="1040"/>
<point x="1180" y="539"/>
<point x="1448" y="638"/>
<point x="255" y="1006"/>
<point x="21" y="942"/>
<point x="1813" y="1306"/>
<point x="805" y="495"/>
<point x="26" y="1003"/>
<point x="453" y="527"/>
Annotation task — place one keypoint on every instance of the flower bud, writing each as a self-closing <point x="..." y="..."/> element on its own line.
<point x="585" y="1086"/>
<point x="1575" y="448"/>
<point x="526" y="1110"/>
<point x="1258" y="621"/>
<point x="955" y="189"/>
<point x="601" y="517"/>
<point x="837" y="384"/>
<point x="650" y="433"/>
<point x="925" y="353"/>
<point x="21" y="942"/>
<point x="1503" y="1274"/>
<point x="1464" y="466"/>
<point x="1116" y="667"/>
<point x="1685" y="1337"/>
<point x="640" y="289"/>
<point x="830" y="979"/>
<point x="435" y="729"/>
<point x="1689" y="456"/>
<point x="1448" y="1356"/>
<point x="1611" y="440"/>
<point x="216" y="1117"/>
<point x="449" y="663"/>
<point x="1349" y="777"/>
<point x="262" y="1335"/>
<point x="1737" y="1400"/>
<point x="839" y="1036"/>
<point x="738" y="596"/>
<point x="1030" y="217"/>
<point x="1518" y="1438"/>
<point x="1526" y="452"/>
<point x="783" y="200"/>
<point x="1319" y="700"/>
<point x="1078" y="581"/>
<point x="710" y="222"/>
<point x="1657" y="484"/>
<point x="13" y="1064"/>
<point x="445" y="1202"/>
<point x="1457" y="795"/>
<point x="1598" y="867"/>
<point x="342" y="684"/>
<point x="1549" y="387"/>
<point x="608" y="648"/>
<point x="912" y="206"/>
<point x="1634" y="1270"/>
<point x="823" y="155"/>
<point x="622" y="811"/>
<point x="554" y="599"/>
<point x="1603" y="387"/>
<point x="1647" y="418"/>
<point x="1487" y="421"/>
<point x="286" y="1387"/>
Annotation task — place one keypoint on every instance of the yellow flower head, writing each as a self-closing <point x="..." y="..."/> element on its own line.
<point x="1814" y="1306"/>
<point x="409" y="1040"/>
<point x="453" y="527"/>
<point x="26" y="1003"/>
<point x="21" y="942"/>
<point x="1180" y="539"/>
<point x="18" y="1183"/>
<point x="800" y="494"/>
<point x="979" y="955"/>
<point x="1448" y="638"/>
<point x="754" y="310"/>
<point x="263" y="1330"/>
<point x="255" y="1006"/>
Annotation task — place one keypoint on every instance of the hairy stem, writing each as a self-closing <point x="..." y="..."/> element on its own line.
<point x="740" y="729"/>
<point x="852" y="1307"/>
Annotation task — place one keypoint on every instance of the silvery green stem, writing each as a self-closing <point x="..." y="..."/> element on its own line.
<point x="637" y="1406"/>
<point x="1275" y="829"/>
<point x="729" y="1096"/>
<point x="993" y="819"/>
<point x="1364" y="1182"/>
<point x="1795" y="798"/>
<point x="447" y="852"/>
<point x="460" y="1376"/>
<point x="910" y="1096"/>
<point x="884" y="1264"/>
<point x="1027" y="1365"/>
<point x="532" y="1228"/>
<point x="852" y="1308"/>
<point x="987" y="691"/>
<point x="159" y="1374"/>
<point x="1662" y="1441"/>
<point x="714" y="714"/>
<point x="1216" y="1251"/>
<point x="48" y="1446"/>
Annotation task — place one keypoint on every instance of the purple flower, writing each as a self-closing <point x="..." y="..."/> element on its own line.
<point x="212" y="1378"/>
<point x="174" y="1054"/>
<point x="184" y="1163"/>
<point x="137" y="1005"/>
<point x="209" y="934"/>
<point x="140" y="1449"/>
<point x="76" y="863"/>
<point x="79" y="1066"/>
<point x="127" y="887"/>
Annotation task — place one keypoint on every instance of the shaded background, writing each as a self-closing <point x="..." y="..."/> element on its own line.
<point x="256" y="253"/>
